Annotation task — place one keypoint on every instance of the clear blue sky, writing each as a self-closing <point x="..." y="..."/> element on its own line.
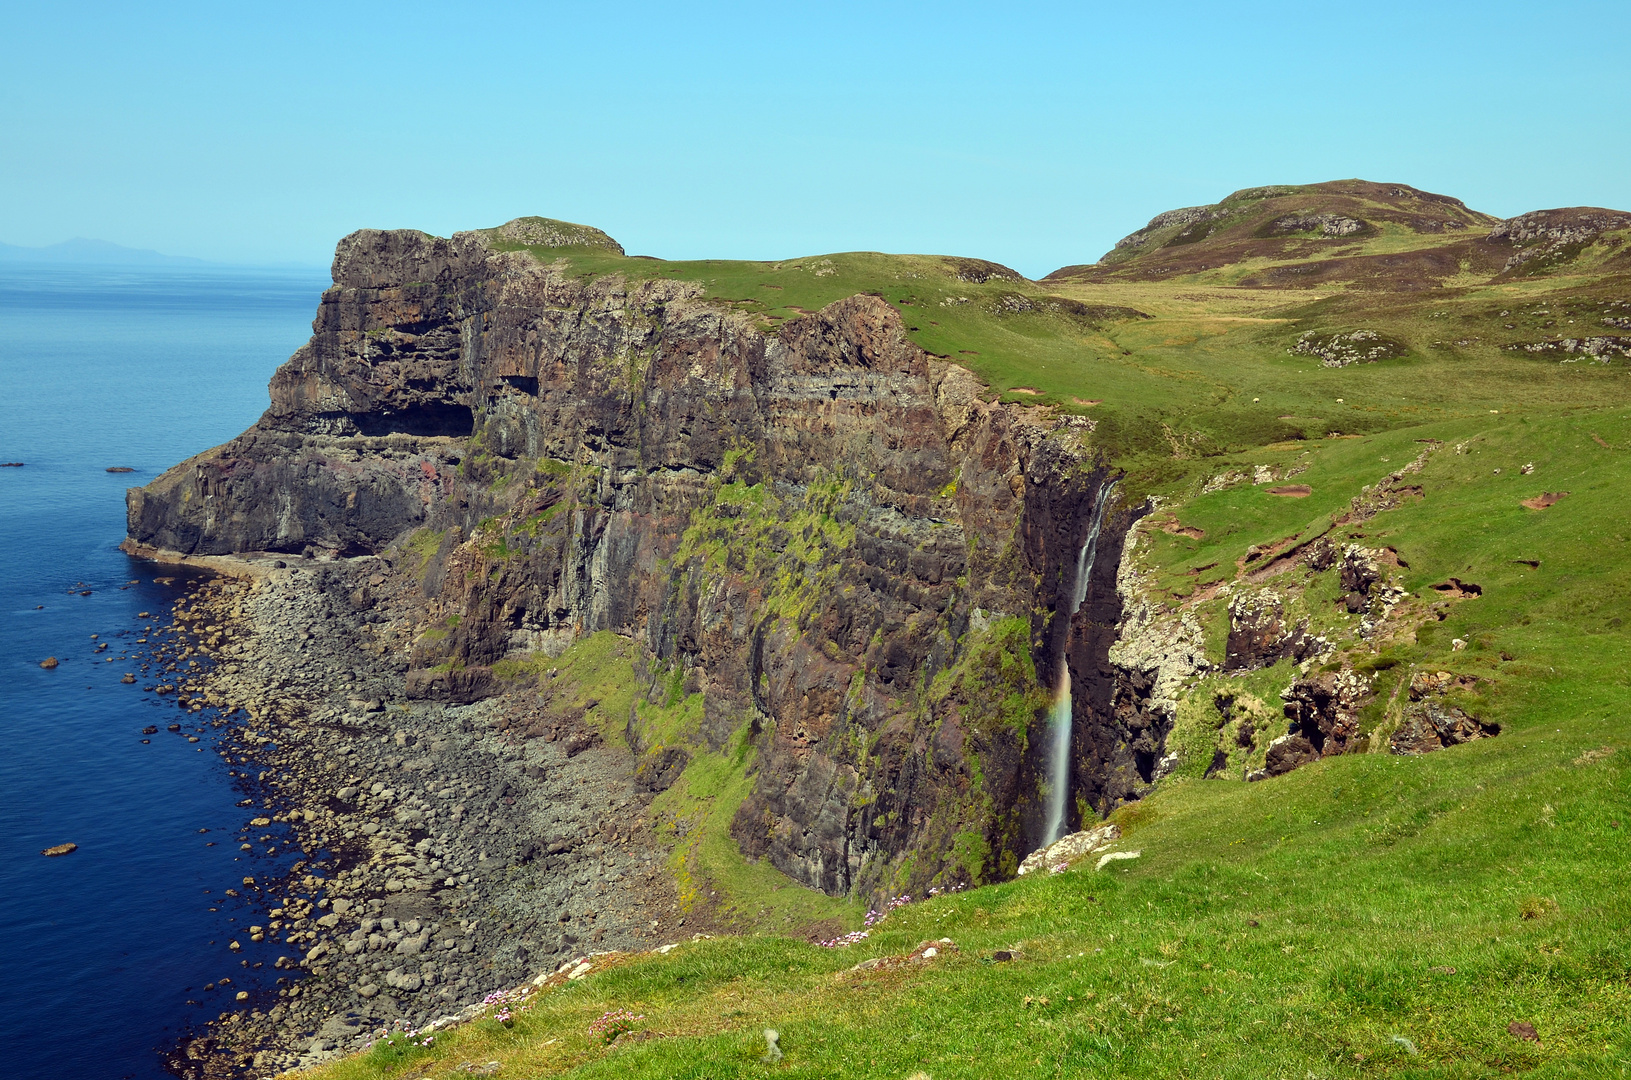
<point x="1035" y="134"/>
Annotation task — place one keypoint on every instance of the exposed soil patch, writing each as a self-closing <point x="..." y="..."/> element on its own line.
<point x="1171" y="527"/>
<point x="1292" y="491"/>
<point x="1545" y="499"/>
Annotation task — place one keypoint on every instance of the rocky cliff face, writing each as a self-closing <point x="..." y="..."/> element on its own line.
<point x="822" y="534"/>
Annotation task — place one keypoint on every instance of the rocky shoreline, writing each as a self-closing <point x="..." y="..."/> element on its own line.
<point x="442" y="855"/>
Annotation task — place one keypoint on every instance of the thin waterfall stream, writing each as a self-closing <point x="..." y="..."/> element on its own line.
<point x="1060" y="717"/>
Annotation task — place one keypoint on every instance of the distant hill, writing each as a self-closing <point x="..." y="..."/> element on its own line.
<point x="1388" y="236"/>
<point x="93" y="252"/>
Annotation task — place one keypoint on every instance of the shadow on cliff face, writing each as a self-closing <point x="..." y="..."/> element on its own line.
<point x="437" y="419"/>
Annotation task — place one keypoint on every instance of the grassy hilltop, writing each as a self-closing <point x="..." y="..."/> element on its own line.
<point x="1368" y="914"/>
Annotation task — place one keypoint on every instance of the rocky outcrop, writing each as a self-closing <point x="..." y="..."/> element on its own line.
<point x="1340" y="350"/>
<point x="1286" y="753"/>
<point x="1059" y="854"/>
<point x="1434" y="725"/>
<point x="826" y="533"/>
<point x="1324" y="709"/>
<point x="1323" y="224"/>
<point x="1544" y="238"/>
<point x="1259" y="634"/>
<point x="1432" y="721"/>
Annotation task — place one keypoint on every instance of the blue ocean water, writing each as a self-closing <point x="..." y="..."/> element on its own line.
<point x="101" y="950"/>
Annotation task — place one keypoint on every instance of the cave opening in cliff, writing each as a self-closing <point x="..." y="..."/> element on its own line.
<point x="431" y="418"/>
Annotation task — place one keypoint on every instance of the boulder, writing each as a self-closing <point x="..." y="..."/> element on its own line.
<point x="1069" y="848"/>
<point x="1286" y="753"/>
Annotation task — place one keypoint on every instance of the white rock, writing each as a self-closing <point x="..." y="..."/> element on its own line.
<point x="1113" y="856"/>
<point x="580" y="971"/>
<point x="1071" y="847"/>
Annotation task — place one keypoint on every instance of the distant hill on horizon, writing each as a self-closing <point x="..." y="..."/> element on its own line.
<point x="98" y="252"/>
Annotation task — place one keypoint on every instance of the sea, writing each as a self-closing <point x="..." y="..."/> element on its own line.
<point x="105" y="952"/>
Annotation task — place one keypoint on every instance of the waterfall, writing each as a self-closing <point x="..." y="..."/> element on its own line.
<point x="1060" y="717"/>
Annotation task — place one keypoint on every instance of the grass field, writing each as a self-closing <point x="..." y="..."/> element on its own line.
<point x="1366" y="915"/>
<point x="1369" y="915"/>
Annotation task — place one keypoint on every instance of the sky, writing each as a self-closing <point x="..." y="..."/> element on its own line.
<point x="1032" y="134"/>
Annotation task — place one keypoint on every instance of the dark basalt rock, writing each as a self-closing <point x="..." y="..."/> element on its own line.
<point x="458" y="687"/>
<point x="1259" y="636"/>
<point x="1286" y="754"/>
<point x="659" y="770"/>
<point x="1324" y="710"/>
<point x="1433" y="725"/>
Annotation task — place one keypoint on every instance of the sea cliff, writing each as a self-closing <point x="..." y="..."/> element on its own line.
<point x="832" y="543"/>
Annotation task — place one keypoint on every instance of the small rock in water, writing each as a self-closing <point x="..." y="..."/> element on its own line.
<point x="60" y="849"/>
<point x="120" y="468"/>
<point x="48" y="663"/>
